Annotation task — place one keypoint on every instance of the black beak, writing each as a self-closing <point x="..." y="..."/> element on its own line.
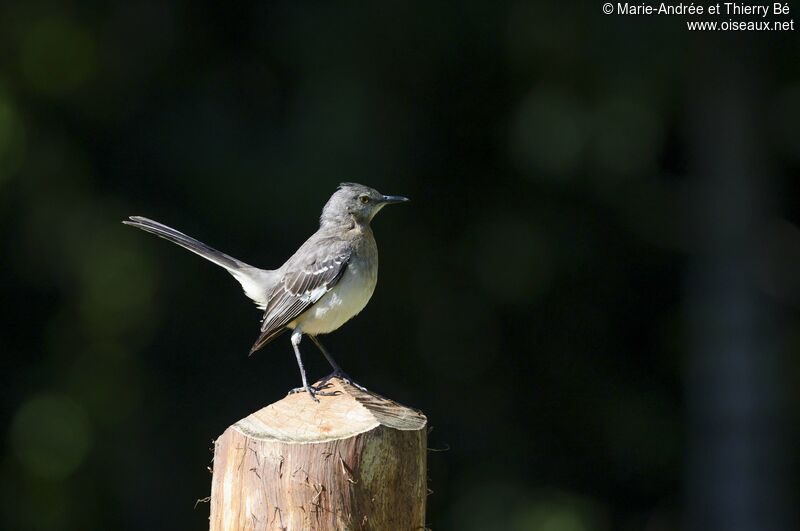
<point x="389" y="199"/>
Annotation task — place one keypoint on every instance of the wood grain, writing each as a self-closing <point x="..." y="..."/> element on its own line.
<point x="353" y="461"/>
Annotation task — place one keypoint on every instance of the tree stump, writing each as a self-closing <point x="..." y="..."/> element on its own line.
<point x="353" y="461"/>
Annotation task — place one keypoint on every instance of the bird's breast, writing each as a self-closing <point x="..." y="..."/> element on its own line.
<point x="344" y="301"/>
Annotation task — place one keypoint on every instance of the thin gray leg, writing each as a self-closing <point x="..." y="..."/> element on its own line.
<point x="296" y="337"/>
<point x="337" y="370"/>
<point x="318" y="343"/>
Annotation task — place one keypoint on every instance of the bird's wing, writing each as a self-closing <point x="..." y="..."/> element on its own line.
<point x="309" y="274"/>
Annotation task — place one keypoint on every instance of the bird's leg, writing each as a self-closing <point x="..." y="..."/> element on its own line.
<point x="312" y="392"/>
<point x="318" y="343"/>
<point x="337" y="371"/>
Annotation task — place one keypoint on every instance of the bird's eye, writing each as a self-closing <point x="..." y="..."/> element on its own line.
<point x="364" y="199"/>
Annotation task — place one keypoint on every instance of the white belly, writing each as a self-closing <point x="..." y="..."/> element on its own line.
<point x="350" y="295"/>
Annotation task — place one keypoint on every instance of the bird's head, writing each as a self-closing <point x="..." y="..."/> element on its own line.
<point x="357" y="202"/>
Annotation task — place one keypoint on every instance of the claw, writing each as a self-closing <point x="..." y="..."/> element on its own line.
<point x="345" y="378"/>
<point x="312" y="392"/>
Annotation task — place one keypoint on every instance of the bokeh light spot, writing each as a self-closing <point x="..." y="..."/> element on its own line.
<point x="563" y="521"/>
<point x="560" y="511"/>
<point x="57" y="56"/>
<point x="535" y="36"/>
<point x="12" y="137"/>
<point x="50" y="435"/>
<point x="505" y="505"/>
<point x="489" y="505"/>
<point x="118" y="287"/>
<point x="627" y="136"/>
<point x="548" y="133"/>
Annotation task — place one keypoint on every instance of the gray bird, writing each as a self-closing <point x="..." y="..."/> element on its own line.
<point x="327" y="282"/>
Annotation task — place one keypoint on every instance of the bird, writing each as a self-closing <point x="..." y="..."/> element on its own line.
<point x="325" y="283"/>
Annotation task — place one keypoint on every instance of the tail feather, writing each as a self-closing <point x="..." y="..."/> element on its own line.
<point x="256" y="282"/>
<point x="187" y="242"/>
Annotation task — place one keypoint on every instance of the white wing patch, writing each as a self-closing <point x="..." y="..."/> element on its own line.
<point x="299" y="289"/>
<point x="314" y="295"/>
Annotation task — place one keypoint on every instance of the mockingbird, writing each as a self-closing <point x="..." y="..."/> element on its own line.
<point x="323" y="285"/>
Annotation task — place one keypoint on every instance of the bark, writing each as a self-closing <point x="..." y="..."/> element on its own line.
<point x="353" y="461"/>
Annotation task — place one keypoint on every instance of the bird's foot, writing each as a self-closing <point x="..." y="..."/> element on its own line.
<point x="312" y="391"/>
<point x="345" y="378"/>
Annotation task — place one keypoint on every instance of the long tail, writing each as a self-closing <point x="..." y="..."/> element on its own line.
<point x="257" y="283"/>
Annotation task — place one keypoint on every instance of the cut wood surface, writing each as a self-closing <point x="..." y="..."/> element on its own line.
<point x="353" y="461"/>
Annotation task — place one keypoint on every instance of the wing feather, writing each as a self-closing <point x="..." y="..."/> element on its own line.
<point x="307" y="277"/>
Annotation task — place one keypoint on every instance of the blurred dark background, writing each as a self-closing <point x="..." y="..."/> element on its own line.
<point x="593" y="295"/>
